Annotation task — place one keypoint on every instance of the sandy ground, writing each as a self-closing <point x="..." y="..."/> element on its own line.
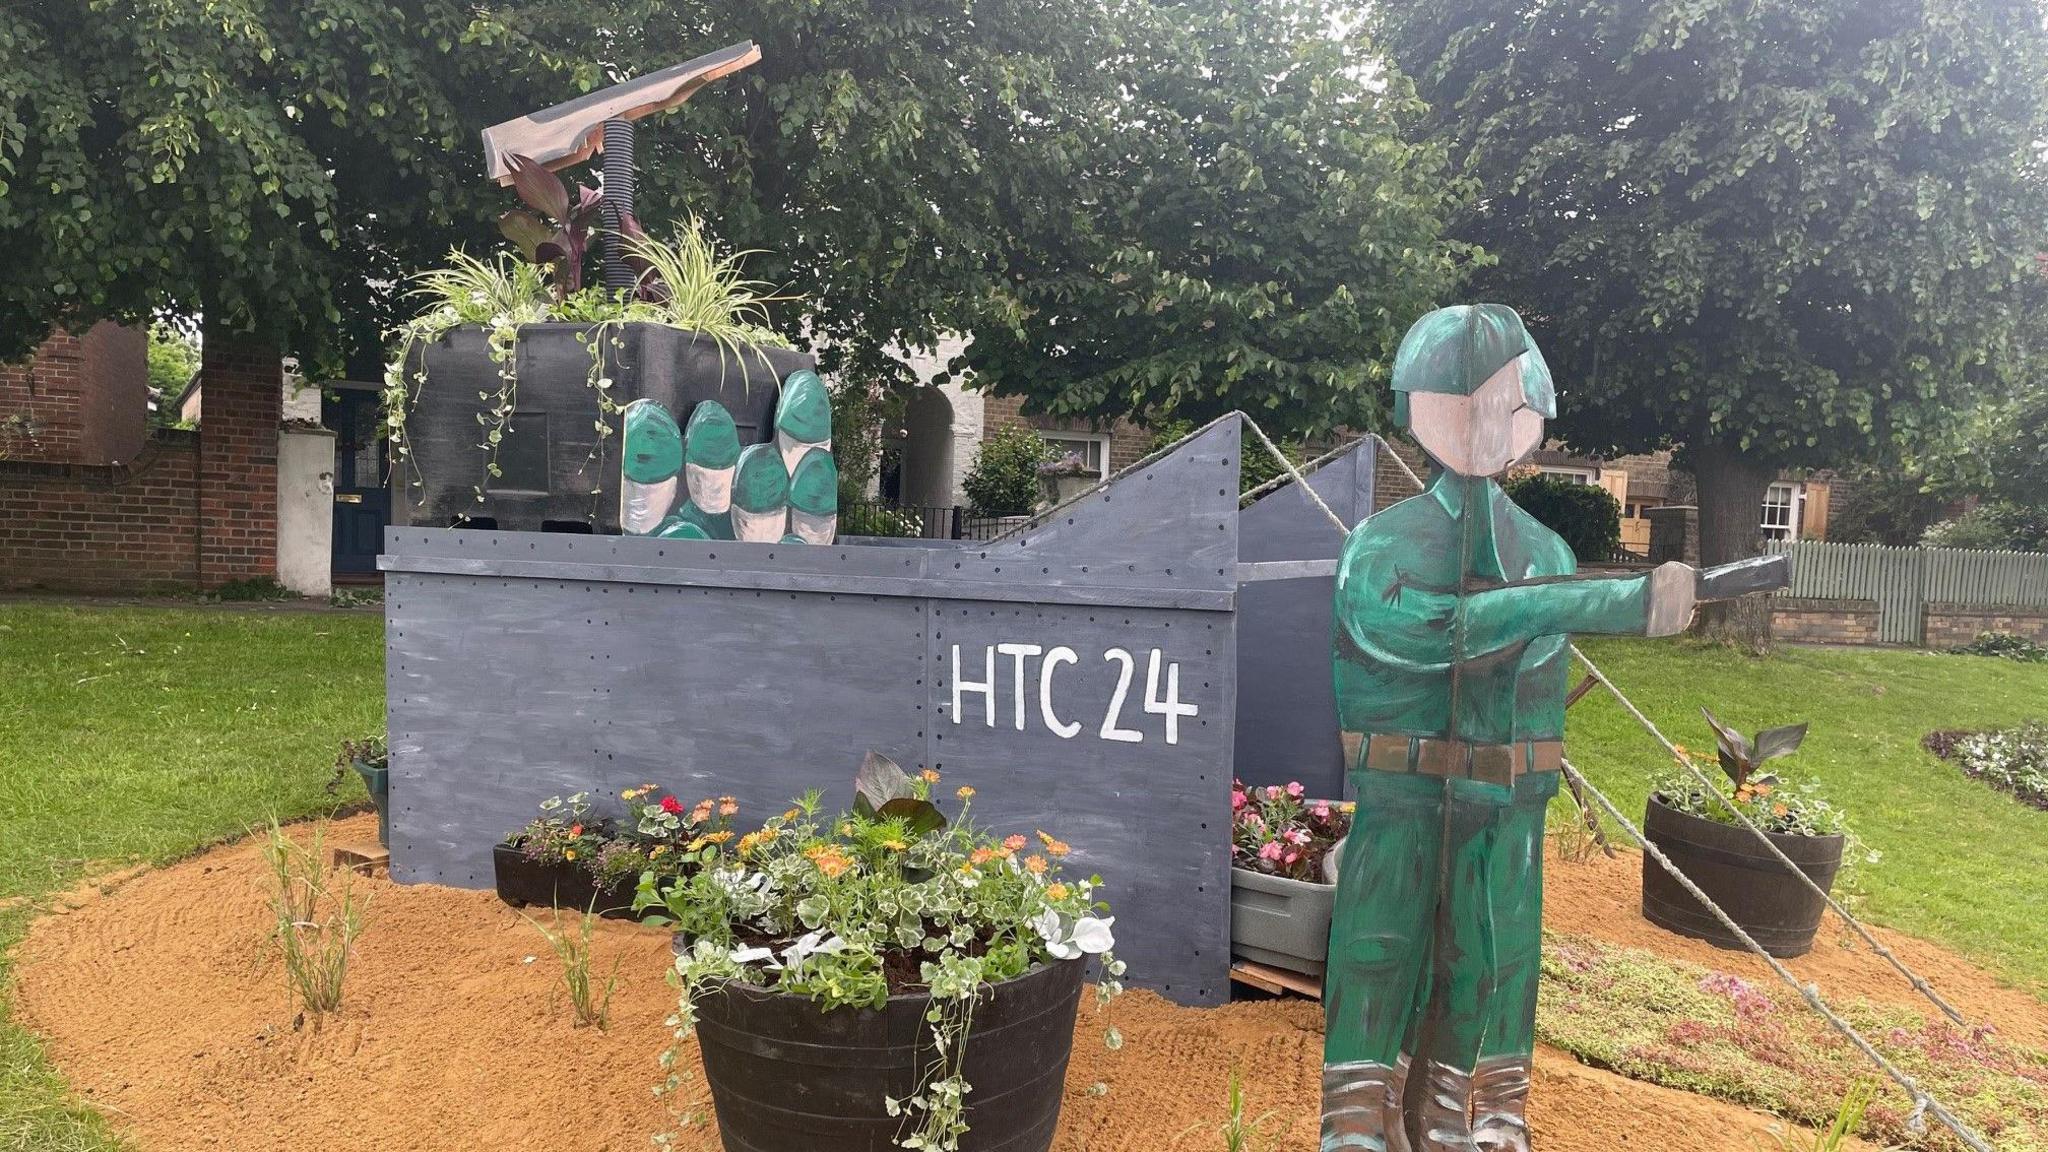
<point x="164" y="1004"/>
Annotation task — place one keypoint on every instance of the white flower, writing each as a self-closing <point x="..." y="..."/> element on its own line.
<point x="812" y="944"/>
<point x="755" y="955"/>
<point x="1091" y="935"/>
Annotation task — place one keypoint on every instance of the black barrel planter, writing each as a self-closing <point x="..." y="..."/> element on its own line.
<point x="522" y="882"/>
<point x="788" y="1076"/>
<point x="1741" y="876"/>
<point x="550" y="458"/>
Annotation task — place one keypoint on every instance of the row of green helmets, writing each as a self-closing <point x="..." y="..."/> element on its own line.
<point x="698" y="483"/>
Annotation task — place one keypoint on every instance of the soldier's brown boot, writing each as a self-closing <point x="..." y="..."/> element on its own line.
<point x="1362" y="1107"/>
<point x="1446" y="1118"/>
<point x="1500" y="1098"/>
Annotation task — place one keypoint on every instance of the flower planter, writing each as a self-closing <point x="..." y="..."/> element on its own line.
<point x="1741" y="876"/>
<point x="788" y="1076"/>
<point x="1281" y="922"/>
<point x="522" y="882"/>
<point x="377" y="779"/>
<point x="550" y="458"/>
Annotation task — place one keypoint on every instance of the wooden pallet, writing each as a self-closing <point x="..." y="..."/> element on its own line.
<point x="363" y="858"/>
<point x="1277" y="981"/>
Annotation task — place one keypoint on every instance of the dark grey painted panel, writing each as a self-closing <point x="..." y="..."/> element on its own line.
<point x="1150" y="816"/>
<point x="1287" y="709"/>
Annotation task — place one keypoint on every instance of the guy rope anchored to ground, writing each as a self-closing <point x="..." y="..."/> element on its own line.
<point x="1385" y="1135"/>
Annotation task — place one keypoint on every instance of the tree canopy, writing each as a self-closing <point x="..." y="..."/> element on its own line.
<point x="276" y="166"/>
<point x="1247" y="227"/>
<point x="1773" y="233"/>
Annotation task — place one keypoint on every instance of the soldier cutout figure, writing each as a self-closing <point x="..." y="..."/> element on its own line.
<point x="1453" y="615"/>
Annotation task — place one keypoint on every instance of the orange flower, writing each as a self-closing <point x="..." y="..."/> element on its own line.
<point x="728" y="807"/>
<point x="833" y="864"/>
<point x="1013" y="843"/>
<point x="1056" y="891"/>
<point x="964" y="792"/>
<point x="1779" y="810"/>
<point x="790" y="815"/>
<point x="569" y="855"/>
<point x="815" y="851"/>
<point x="1679" y="749"/>
<point x="1056" y="847"/>
<point x="575" y="829"/>
<point x="929" y="776"/>
<point x="982" y="856"/>
<point x="720" y="836"/>
<point x="1035" y="865"/>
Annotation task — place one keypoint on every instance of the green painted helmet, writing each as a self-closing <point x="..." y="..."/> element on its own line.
<point x="1455" y="350"/>
<point x="805" y="411"/>
<point x="712" y="440"/>
<point x="763" y="483"/>
<point x="677" y="528"/>
<point x="814" y="487"/>
<point x="690" y="519"/>
<point x="654" y="445"/>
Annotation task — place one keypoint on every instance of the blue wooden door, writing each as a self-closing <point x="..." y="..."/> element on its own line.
<point x="362" y="502"/>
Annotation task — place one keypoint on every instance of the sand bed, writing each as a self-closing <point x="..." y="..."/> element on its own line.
<point x="164" y="1005"/>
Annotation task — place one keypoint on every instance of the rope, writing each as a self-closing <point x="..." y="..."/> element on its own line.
<point x="1312" y="465"/>
<point x="1912" y="977"/>
<point x="1918" y="982"/>
<point x="1921" y="1100"/>
<point x="1811" y="994"/>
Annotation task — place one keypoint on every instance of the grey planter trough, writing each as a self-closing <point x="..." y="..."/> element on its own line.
<point x="1281" y="922"/>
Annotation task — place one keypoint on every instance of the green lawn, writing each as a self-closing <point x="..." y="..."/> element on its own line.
<point x="144" y="733"/>
<point x="1960" y="864"/>
<point x="141" y="734"/>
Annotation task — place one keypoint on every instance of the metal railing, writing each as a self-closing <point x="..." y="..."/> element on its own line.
<point x="919" y="521"/>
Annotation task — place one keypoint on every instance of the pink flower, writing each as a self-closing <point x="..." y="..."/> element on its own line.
<point x="1253" y="820"/>
<point x="1271" y="851"/>
<point x="1237" y="799"/>
<point x="1292" y="857"/>
<point x="1295" y="789"/>
<point x="1272" y="792"/>
<point x="1322" y="811"/>
<point x="1297" y="836"/>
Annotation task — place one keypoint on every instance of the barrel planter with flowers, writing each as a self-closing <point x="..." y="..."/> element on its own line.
<point x="1693" y="826"/>
<point x="1283" y="876"/>
<point x="570" y="858"/>
<point x="885" y="977"/>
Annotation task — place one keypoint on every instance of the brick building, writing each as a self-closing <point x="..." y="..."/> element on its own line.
<point x="93" y="500"/>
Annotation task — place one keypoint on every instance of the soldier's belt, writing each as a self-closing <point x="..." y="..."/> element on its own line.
<point x="1501" y="764"/>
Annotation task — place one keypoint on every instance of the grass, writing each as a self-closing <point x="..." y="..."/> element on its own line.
<point x="1684" y="1026"/>
<point x="137" y="735"/>
<point x="1960" y="864"/>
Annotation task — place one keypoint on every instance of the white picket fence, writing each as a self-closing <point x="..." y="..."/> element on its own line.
<point x="1904" y="581"/>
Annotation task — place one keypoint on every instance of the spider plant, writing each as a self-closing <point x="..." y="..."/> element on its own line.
<point x="496" y="291"/>
<point x="688" y="283"/>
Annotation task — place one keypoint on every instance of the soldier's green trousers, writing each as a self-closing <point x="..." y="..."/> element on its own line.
<point x="1439" y="913"/>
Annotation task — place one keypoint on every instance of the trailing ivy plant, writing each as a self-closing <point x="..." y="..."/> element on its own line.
<point x="686" y="282"/>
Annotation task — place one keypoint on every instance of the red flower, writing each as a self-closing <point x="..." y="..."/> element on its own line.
<point x="671" y="805"/>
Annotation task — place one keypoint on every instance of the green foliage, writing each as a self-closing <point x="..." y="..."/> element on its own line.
<point x="1586" y="515"/>
<point x="1847" y="1119"/>
<point x="2013" y="760"/>
<point x="1685" y="1026"/>
<point x="317" y="916"/>
<point x="2006" y="644"/>
<point x="1993" y="525"/>
<point x="590" y="1000"/>
<point x="1255" y="230"/>
<point x="270" y="165"/>
<point x="1778" y="232"/>
<point x="253" y="588"/>
<point x="886" y="898"/>
<point x="1255" y="466"/>
<point x="173" y="358"/>
<point x="1003" y="480"/>
<point x="1885" y="504"/>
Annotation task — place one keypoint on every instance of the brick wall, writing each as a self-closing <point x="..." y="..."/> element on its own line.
<point x="79" y="399"/>
<point x="1823" y="621"/>
<point x="1390" y="483"/>
<point x="1954" y="625"/>
<point x="243" y="382"/>
<point x="131" y="527"/>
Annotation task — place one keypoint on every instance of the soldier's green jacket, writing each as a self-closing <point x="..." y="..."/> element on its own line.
<point x="1453" y="613"/>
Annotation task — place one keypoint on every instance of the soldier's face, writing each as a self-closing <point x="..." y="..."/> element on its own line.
<point x="1481" y="434"/>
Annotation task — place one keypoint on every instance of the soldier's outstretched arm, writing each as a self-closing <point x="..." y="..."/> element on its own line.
<point x="1656" y="603"/>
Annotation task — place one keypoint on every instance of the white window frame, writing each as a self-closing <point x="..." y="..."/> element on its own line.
<point x="1575" y="475"/>
<point x="1092" y="447"/>
<point x="1792" y="509"/>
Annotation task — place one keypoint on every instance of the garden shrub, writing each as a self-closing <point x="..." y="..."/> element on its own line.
<point x="2012" y="760"/>
<point x="1586" y="515"/>
<point x="1004" y="478"/>
<point x="2005" y="644"/>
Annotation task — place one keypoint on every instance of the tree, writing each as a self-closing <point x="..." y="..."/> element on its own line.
<point x="1771" y="232"/>
<point x="1003" y="480"/>
<point x="1247" y="228"/>
<point x="276" y="167"/>
<point x="173" y="358"/>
